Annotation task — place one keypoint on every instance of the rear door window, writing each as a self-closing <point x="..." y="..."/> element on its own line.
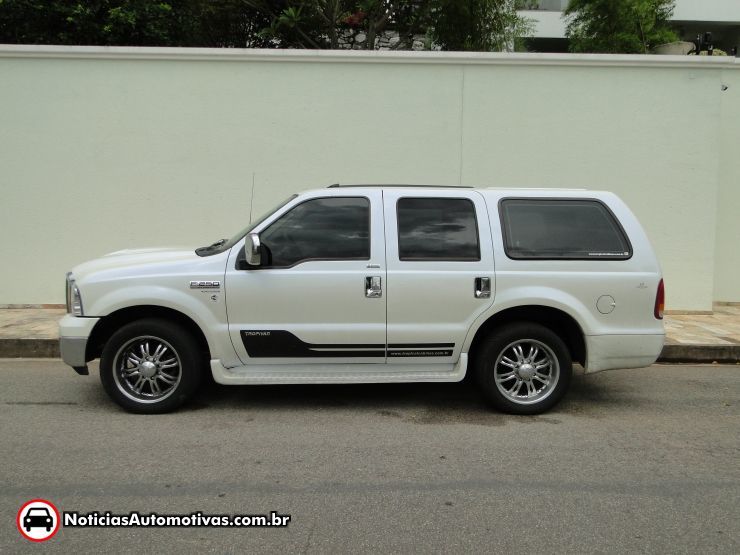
<point x="437" y="229"/>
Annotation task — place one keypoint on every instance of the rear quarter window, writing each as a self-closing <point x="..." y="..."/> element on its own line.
<point x="565" y="229"/>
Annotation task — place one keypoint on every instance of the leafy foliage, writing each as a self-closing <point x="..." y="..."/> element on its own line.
<point x="97" y="22"/>
<point x="624" y="26"/>
<point x="454" y="25"/>
<point x="482" y="25"/>
<point x="325" y="23"/>
<point x="131" y="23"/>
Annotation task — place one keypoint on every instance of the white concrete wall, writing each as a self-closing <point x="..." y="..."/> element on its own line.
<point x="727" y="251"/>
<point x="104" y="149"/>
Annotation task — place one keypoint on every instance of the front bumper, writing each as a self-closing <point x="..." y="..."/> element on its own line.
<point x="74" y="332"/>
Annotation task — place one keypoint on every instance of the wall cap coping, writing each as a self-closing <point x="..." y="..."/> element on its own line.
<point x="359" y="56"/>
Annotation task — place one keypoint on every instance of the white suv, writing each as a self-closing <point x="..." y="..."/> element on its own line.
<point x="360" y="284"/>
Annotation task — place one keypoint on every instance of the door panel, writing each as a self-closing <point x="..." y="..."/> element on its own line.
<point x="313" y="311"/>
<point x="433" y="302"/>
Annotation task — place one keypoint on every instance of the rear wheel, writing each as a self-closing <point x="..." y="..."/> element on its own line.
<point x="524" y="368"/>
<point x="151" y="366"/>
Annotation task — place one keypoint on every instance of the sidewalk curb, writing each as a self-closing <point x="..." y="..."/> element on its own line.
<point x="29" y="348"/>
<point x="725" y="354"/>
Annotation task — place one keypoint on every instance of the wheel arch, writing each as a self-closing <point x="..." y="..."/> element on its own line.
<point x="108" y="325"/>
<point x="558" y="321"/>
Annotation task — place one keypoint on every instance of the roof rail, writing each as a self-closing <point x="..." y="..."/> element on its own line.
<point x="335" y="185"/>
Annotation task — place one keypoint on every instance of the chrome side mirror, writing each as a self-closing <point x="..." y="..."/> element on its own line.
<point x="252" y="251"/>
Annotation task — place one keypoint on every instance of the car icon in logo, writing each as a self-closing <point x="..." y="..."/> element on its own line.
<point x="38" y="520"/>
<point x="38" y="517"/>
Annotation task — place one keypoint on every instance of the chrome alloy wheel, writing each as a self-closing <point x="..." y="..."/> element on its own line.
<point x="526" y="371"/>
<point x="147" y="369"/>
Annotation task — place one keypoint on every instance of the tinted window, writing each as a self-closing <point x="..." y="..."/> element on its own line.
<point x="437" y="229"/>
<point x="580" y="229"/>
<point x="334" y="228"/>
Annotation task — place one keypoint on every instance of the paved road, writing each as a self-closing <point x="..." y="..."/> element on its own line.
<point x="632" y="461"/>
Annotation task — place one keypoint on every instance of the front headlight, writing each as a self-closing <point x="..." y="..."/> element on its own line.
<point x="74" y="300"/>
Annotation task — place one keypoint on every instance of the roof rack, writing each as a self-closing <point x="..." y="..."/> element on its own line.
<point x="335" y="185"/>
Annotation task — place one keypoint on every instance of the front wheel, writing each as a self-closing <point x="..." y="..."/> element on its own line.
<point x="151" y="366"/>
<point x="524" y="368"/>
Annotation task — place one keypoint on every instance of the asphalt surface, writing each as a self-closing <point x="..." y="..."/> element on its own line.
<point x="632" y="461"/>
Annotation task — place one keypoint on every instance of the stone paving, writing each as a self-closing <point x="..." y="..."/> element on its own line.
<point x="30" y="323"/>
<point x="720" y="328"/>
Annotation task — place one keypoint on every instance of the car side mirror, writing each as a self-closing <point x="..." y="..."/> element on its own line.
<point x="252" y="250"/>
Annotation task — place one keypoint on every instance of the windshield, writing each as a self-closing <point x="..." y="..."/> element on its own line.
<point x="261" y="219"/>
<point x="225" y="244"/>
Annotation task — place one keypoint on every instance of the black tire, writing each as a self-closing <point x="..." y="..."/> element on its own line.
<point x="540" y="387"/>
<point x="176" y="381"/>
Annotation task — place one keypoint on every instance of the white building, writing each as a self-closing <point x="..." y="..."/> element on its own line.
<point x="691" y="17"/>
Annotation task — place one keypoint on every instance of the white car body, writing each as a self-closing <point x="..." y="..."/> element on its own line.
<point x="422" y="327"/>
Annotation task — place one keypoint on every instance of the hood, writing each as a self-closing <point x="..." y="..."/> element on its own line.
<point x="149" y="250"/>
<point x="134" y="261"/>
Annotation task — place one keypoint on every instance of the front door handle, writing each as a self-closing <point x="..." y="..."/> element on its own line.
<point x="482" y="288"/>
<point x="373" y="287"/>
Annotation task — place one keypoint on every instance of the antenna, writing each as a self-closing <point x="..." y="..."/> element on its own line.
<point x="251" y="200"/>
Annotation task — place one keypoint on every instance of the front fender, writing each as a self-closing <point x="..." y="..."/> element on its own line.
<point x="209" y="316"/>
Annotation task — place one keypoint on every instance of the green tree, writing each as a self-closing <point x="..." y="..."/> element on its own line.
<point x="93" y="22"/>
<point x="454" y="25"/>
<point x="323" y="23"/>
<point x="222" y="24"/>
<point x="624" y="26"/>
<point x="217" y="23"/>
<point x="482" y="25"/>
<point x="479" y="25"/>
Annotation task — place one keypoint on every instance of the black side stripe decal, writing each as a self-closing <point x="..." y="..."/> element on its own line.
<point x="283" y="344"/>
<point x="419" y="345"/>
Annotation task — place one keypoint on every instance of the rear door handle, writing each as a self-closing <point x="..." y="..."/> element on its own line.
<point x="482" y="288"/>
<point x="373" y="287"/>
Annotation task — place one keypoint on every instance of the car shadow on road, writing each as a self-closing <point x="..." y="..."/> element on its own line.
<point x="420" y="403"/>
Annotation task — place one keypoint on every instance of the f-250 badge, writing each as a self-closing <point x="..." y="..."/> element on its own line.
<point x="205" y="284"/>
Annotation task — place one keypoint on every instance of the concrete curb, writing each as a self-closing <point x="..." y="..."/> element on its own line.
<point x="725" y="354"/>
<point x="29" y="348"/>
